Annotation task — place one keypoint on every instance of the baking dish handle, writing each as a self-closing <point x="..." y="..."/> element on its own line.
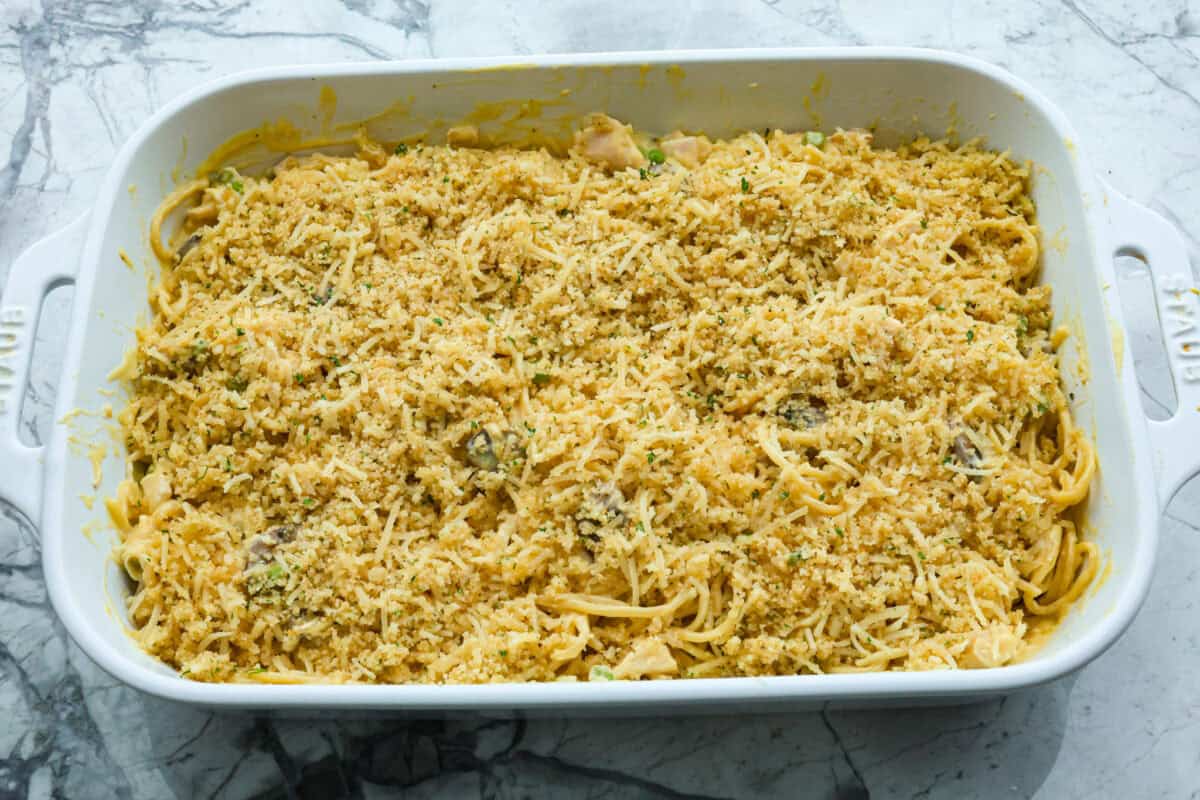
<point x="50" y="262"/>
<point x="1140" y="232"/>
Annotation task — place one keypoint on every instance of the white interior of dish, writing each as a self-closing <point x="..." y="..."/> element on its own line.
<point x="899" y="97"/>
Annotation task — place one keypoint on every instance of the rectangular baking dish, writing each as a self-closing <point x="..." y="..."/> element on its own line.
<point x="898" y="92"/>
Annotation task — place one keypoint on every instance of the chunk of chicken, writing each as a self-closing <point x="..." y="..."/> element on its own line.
<point x="156" y="490"/>
<point x="687" y="150"/>
<point x="991" y="647"/>
<point x="648" y="657"/>
<point x="606" y="141"/>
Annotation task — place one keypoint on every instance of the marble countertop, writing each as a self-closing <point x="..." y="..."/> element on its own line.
<point x="76" y="79"/>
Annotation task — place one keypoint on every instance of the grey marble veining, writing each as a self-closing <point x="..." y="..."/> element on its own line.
<point x="78" y="77"/>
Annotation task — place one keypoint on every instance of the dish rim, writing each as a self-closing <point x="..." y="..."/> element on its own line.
<point x="877" y="686"/>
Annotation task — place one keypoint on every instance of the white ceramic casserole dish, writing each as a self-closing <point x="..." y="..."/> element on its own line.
<point x="898" y="91"/>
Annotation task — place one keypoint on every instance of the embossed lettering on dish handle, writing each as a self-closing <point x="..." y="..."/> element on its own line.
<point x="12" y="325"/>
<point x="1182" y="324"/>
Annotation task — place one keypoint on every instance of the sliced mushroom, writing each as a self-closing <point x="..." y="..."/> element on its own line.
<point x="602" y="509"/>
<point x="490" y="453"/>
<point x="264" y="572"/>
<point x="188" y="246"/>
<point x="261" y="549"/>
<point x="967" y="453"/>
<point x="480" y="451"/>
<point x="802" y="411"/>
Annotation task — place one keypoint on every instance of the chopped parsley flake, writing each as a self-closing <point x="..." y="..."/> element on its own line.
<point x="227" y="177"/>
<point x="541" y="379"/>
<point x="745" y="186"/>
<point x="600" y="673"/>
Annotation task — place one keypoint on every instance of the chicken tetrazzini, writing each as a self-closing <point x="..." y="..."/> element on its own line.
<point x="786" y="403"/>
